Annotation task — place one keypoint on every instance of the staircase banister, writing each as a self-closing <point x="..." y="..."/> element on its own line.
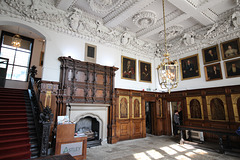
<point x="42" y="115"/>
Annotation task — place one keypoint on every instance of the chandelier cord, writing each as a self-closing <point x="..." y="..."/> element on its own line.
<point x="164" y="25"/>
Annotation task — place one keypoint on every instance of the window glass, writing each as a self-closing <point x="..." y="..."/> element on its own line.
<point x="9" y="72"/>
<point x="8" y="53"/>
<point x="19" y="58"/>
<point x="19" y="73"/>
<point x="22" y="59"/>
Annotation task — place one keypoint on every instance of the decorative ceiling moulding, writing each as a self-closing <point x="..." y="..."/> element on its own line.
<point x="197" y="3"/>
<point x="192" y="40"/>
<point x="171" y="32"/>
<point x="144" y="19"/>
<point x="104" y="6"/>
<point x="75" y="23"/>
<point x="118" y="11"/>
<point x="171" y="16"/>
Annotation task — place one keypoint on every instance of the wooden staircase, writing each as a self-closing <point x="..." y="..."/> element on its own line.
<point x="18" y="138"/>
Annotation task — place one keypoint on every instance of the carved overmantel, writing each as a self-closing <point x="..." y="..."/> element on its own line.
<point x="84" y="82"/>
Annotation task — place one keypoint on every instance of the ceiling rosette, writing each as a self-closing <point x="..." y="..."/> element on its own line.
<point x="144" y="19"/>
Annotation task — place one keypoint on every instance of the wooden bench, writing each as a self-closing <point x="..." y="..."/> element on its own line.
<point x="219" y="132"/>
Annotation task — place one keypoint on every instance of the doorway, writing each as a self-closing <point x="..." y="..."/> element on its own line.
<point x="174" y="106"/>
<point x="149" y="112"/>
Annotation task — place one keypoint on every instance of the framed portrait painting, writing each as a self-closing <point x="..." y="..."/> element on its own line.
<point x="190" y="67"/>
<point x="210" y="54"/>
<point x="230" y="49"/>
<point x="128" y="68"/>
<point x="213" y="72"/>
<point x="90" y="53"/>
<point x="232" y="68"/>
<point x="145" y="72"/>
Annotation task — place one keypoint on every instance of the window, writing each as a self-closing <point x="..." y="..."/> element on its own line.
<point x="19" y="58"/>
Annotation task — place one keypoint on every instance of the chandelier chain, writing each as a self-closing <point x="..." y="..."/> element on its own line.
<point x="164" y="25"/>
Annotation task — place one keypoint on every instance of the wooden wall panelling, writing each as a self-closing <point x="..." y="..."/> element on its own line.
<point x="132" y="126"/>
<point x="198" y="112"/>
<point x="48" y="95"/>
<point x="210" y="100"/>
<point x="235" y="99"/>
<point x="143" y="115"/>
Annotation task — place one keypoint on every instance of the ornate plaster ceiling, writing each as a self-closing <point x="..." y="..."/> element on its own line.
<point x="143" y="18"/>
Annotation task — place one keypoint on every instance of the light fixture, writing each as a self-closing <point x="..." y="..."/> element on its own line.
<point x="16" y="40"/>
<point x="167" y="70"/>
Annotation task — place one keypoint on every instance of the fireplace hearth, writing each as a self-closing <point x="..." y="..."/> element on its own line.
<point x="91" y="119"/>
<point x="90" y="127"/>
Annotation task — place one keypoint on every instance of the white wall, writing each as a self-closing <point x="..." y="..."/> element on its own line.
<point x="61" y="44"/>
<point x="65" y="45"/>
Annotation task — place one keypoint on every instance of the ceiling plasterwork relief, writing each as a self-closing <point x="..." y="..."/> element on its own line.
<point x="236" y="19"/>
<point x="171" y="32"/>
<point x="144" y="19"/>
<point x="104" y="6"/>
<point x="223" y="30"/>
<point x="36" y="10"/>
<point x="75" y="23"/>
<point x="169" y="17"/>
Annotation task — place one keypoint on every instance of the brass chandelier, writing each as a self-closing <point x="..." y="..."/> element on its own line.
<point x="16" y="40"/>
<point x="167" y="70"/>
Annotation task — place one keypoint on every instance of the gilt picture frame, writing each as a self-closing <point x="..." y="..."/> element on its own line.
<point x="145" y="72"/>
<point x="211" y="54"/>
<point x="232" y="68"/>
<point x="189" y="67"/>
<point x="128" y="66"/>
<point x="213" y="72"/>
<point x="230" y="49"/>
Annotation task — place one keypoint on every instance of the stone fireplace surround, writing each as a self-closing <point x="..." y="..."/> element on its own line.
<point x="98" y="111"/>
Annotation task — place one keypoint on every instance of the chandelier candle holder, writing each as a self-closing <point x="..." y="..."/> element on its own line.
<point x="167" y="70"/>
<point x="16" y="40"/>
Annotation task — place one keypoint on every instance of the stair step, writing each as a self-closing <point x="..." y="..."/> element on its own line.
<point x="12" y="134"/>
<point x="13" y="106"/>
<point x="10" y="142"/>
<point x="11" y="96"/>
<point x="14" y="115"/>
<point x="13" y="99"/>
<point x="13" y="124"/>
<point x="12" y="103"/>
<point x="34" y="153"/>
<point x="5" y="120"/>
<point x="34" y="145"/>
<point x="16" y="146"/>
<point x="13" y="111"/>
<point x="15" y="130"/>
<point x="16" y="156"/>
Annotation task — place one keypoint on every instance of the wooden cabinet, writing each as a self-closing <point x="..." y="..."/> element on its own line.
<point x="67" y="143"/>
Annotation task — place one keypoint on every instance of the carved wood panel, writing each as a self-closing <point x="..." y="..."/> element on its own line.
<point x="86" y="82"/>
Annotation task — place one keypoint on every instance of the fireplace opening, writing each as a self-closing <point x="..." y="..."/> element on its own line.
<point x="90" y="127"/>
